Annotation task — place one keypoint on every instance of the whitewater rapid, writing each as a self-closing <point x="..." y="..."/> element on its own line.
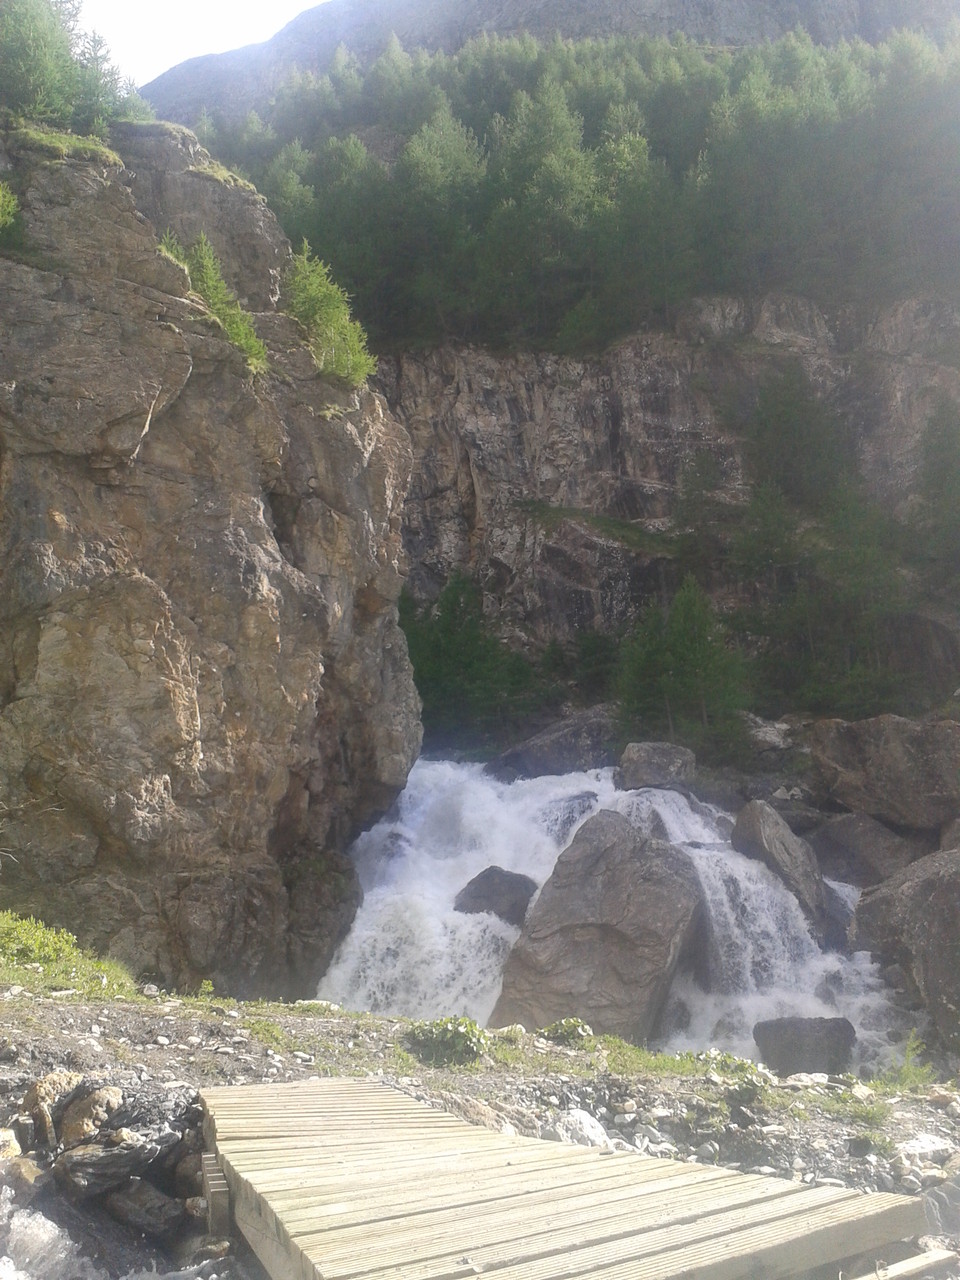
<point x="409" y="953"/>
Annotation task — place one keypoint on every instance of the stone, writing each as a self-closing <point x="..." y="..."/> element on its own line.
<point x="655" y="764"/>
<point x="225" y="558"/>
<point x="83" y="1117"/>
<point x="789" y="1045"/>
<point x="145" y="1209"/>
<point x="606" y="935"/>
<point x="506" y="894"/>
<point x="584" y="740"/>
<point x="42" y="1098"/>
<point x="912" y="921"/>
<point x="9" y="1146"/>
<point x="761" y="833"/>
<point x="860" y="850"/>
<point x="900" y="771"/>
<point x="577" y="1127"/>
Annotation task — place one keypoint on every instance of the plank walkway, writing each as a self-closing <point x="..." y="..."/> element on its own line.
<point x="351" y="1180"/>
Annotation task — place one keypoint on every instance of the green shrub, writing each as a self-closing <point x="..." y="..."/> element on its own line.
<point x="39" y="957"/>
<point x="9" y="209"/>
<point x="569" y="1031"/>
<point x="206" y="279"/>
<point x="449" y="1040"/>
<point x="338" y="344"/>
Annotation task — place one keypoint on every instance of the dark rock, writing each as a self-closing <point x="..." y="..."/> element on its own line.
<point x="860" y="850"/>
<point x="606" y="935"/>
<point x="505" y="893"/>
<point x="587" y="740"/>
<point x="761" y="833"/>
<point x="144" y="1209"/>
<point x="904" y="772"/>
<point x="913" y="921"/>
<point x="655" y="764"/>
<point x="788" y="1045"/>
<point x="94" y="1168"/>
<point x="837" y="919"/>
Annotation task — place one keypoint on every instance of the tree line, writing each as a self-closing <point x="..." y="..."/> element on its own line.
<point x="562" y="194"/>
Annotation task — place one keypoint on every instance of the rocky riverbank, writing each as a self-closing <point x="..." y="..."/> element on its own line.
<point x="154" y="1053"/>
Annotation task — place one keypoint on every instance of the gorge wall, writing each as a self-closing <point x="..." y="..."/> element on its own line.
<point x="204" y="692"/>
<point x="544" y="475"/>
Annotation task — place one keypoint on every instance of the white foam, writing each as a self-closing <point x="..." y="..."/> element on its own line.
<point x="409" y="953"/>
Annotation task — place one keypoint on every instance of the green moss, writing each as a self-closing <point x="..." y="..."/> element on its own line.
<point x="62" y="146"/>
<point x="218" y="172"/>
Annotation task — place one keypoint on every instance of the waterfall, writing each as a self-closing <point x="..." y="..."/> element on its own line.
<point x="411" y="954"/>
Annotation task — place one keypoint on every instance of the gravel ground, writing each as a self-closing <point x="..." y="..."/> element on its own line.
<point x="715" y="1109"/>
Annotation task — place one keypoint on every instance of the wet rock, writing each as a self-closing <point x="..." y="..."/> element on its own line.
<point x="585" y="740"/>
<point x="789" y="1045"/>
<point x="900" y="771"/>
<point x="655" y="764"/>
<point x="913" y="921"/>
<point x="506" y="894"/>
<point x="42" y="1098"/>
<point x="144" y="1209"/>
<point x="93" y="1168"/>
<point x="606" y="935"/>
<point x="761" y="833"/>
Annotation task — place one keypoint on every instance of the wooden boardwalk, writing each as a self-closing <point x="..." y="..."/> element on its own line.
<point x="351" y="1180"/>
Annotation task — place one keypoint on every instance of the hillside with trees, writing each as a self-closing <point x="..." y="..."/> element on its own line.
<point x="560" y="195"/>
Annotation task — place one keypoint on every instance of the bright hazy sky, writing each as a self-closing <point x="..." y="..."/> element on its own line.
<point x="145" y="39"/>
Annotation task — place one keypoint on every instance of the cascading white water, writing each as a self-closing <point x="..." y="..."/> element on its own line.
<point x="410" y="953"/>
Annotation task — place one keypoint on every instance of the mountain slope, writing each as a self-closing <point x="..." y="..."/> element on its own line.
<point x="235" y="82"/>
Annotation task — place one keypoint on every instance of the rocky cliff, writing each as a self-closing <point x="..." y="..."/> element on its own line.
<point x="234" y="82"/>
<point x="203" y="689"/>
<point x="546" y="476"/>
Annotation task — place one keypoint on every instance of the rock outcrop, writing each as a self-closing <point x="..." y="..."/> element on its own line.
<point x="606" y="935"/>
<point x="860" y="850"/>
<point x="204" y="692"/>
<point x="903" y="772"/>
<point x="583" y="740"/>
<point x="549" y="478"/>
<point x="913" y="920"/>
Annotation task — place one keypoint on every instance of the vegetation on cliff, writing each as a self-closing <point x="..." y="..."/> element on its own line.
<point x="561" y="194"/>
<point x="52" y="72"/>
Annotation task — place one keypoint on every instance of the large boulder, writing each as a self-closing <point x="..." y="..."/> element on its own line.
<point x="585" y="740"/>
<point x="605" y="937"/>
<point x="904" y="772"/>
<point x="506" y="894"/>
<point x="860" y="850"/>
<point x="788" y="1045"/>
<point x="655" y="764"/>
<point x="204" y="691"/>
<point x="913" y="920"/>
<point x="761" y="833"/>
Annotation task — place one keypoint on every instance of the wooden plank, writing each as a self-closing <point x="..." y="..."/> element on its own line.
<point x="546" y="1237"/>
<point x="933" y="1262"/>
<point x="350" y="1180"/>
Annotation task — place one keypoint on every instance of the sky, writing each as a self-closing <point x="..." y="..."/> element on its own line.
<point x="145" y="39"/>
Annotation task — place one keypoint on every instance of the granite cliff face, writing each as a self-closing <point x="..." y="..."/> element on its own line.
<point x="236" y="81"/>
<point x="203" y="689"/>
<point x="541" y="474"/>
